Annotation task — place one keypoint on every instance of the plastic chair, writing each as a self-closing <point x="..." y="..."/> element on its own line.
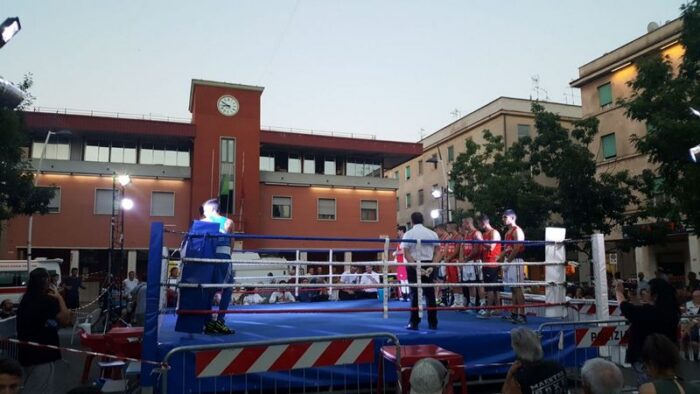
<point x="84" y="322"/>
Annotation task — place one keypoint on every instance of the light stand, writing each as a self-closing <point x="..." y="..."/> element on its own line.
<point x="123" y="180"/>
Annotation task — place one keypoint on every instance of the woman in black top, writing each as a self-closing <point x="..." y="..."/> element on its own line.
<point x="41" y="311"/>
<point x="661" y="316"/>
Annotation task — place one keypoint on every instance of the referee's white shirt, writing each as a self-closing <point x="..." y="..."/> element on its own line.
<point x="425" y="253"/>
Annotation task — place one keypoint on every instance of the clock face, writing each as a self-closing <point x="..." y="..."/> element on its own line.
<point x="228" y="105"/>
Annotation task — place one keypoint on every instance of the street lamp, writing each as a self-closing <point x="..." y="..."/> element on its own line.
<point x="8" y="29"/>
<point x="438" y="192"/>
<point x="124" y="204"/>
<point x="435" y="213"/>
<point x="36" y="182"/>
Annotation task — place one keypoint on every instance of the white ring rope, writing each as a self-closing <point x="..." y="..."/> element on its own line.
<point x="246" y="263"/>
<point x="358" y="286"/>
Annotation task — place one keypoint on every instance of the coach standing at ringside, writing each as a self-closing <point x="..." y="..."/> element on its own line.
<point x="424" y="254"/>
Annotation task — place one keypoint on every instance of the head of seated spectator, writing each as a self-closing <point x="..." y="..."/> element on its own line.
<point x="10" y="376"/>
<point x="530" y="371"/>
<point x="644" y="296"/>
<point x="7" y="309"/>
<point x="661" y="358"/>
<point x="429" y="376"/>
<point x="601" y="376"/>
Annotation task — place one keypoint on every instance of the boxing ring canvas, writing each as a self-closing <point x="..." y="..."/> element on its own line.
<point x="484" y="343"/>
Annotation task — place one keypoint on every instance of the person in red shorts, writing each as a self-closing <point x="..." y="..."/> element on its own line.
<point x="451" y="257"/>
<point x="490" y="253"/>
<point x="514" y="273"/>
<point x="441" y="231"/>
<point x="471" y="253"/>
<point x="401" y="273"/>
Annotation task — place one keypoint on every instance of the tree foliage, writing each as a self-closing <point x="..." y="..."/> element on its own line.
<point x="549" y="180"/>
<point x="17" y="193"/>
<point x="662" y="97"/>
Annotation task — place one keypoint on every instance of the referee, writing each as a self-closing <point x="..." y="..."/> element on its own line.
<point x="425" y="254"/>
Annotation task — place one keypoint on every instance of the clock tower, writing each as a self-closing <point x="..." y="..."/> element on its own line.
<point x="226" y="150"/>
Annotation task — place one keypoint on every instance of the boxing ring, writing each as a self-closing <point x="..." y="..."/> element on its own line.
<point x="332" y="345"/>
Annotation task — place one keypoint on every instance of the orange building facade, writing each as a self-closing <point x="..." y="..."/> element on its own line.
<point x="269" y="182"/>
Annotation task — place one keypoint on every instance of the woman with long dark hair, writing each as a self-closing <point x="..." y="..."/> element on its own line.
<point x="661" y="358"/>
<point x="660" y="316"/>
<point x="41" y="312"/>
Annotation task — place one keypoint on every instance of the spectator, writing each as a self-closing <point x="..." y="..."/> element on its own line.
<point x="130" y="283"/>
<point x="661" y="316"/>
<point x="579" y="293"/>
<point x="601" y="376"/>
<point x="693" y="283"/>
<point x="171" y="290"/>
<point x="7" y="309"/>
<point x="53" y="282"/>
<point x="10" y="376"/>
<point x="369" y="278"/>
<point x="138" y="297"/>
<point x="429" y="376"/>
<point x="644" y="296"/>
<point x="349" y="277"/>
<point x="41" y="311"/>
<point x="661" y="359"/>
<point x="641" y="282"/>
<point x="689" y="327"/>
<point x="252" y="298"/>
<point x="530" y="373"/>
<point x="281" y="296"/>
<point x="271" y="278"/>
<point x="72" y="286"/>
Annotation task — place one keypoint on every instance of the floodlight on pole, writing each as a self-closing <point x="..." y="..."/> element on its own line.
<point x="127" y="204"/>
<point x="435" y="213"/>
<point x="436" y="193"/>
<point x="695" y="111"/>
<point x="8" y="29"/>
<point x="124" y="179"/>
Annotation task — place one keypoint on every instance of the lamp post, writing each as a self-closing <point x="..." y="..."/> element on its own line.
<point x="36" y="182"/>
<point x="124" y="204"/>
<point x="442" y="191"/>
<point x="8" y="29"/>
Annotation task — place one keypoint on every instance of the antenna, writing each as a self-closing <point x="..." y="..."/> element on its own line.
<point x="537" y="89"/>
<point x="422" y="133"/>
<point x="456" y="113"/>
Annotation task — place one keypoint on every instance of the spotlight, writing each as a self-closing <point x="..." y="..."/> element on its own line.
<point x="437" y="193"/>
<point x="8" y="29"/>
<point x="127" y="204"/>
<point x="695" y="153"/>
<point x="435" y="213"/>
<point x="124" y="179"/>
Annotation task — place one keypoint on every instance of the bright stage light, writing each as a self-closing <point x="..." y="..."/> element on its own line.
<point x="124" y="179"/>
<point x="437" y="193"/>
<point x="435" y="213"/>
<point x="8" y="29"/>
<point x="127" y="204"/>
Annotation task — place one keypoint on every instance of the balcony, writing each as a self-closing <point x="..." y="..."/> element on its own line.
<point x="108" y="169"/>
<point x="357" y="182"/>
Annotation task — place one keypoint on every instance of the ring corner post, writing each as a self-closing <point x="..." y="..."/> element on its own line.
<point x="150" y="331"/>
<point x="555" y="254"/>
<point x="600" y="276"/>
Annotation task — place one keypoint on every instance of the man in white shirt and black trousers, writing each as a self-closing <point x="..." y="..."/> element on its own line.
<point x="424" y="254"/>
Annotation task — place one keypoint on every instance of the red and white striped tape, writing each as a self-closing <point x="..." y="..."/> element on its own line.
<point x="602" y="336"/>
<point x="226" y="362"/>
<point x="590" y="309"/>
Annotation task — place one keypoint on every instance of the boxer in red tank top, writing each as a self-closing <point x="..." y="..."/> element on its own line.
<point x="490" y="253"/>
<point x="515" y="273"/>
<point x="471" y="253"/>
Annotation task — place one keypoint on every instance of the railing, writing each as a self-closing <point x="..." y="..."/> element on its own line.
<point x="118" y="115"/>
<point x="339" y="134"/>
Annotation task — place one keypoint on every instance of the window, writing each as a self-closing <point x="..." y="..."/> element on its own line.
<point x="450" y="153"/>
<point x="363" y="167"/>
<point x="396" y="175"/>
<point x="326" y="209"/>
<point x="294" y="164"/>
<point x="124" y="152"/>
<point x="605" y="95"/>
<point x="408" y="200"/>
<point x="267" y="163"/>
<point x="281" y="207"/>
<point x="398" y="205"/>
<point x="421" y="197"/>
<point x="608" y="143"/>
<point x="329" y="166"/>
<point x="55" y="202"/>
<point x="523" y="131"/>
<point x="155" y="154"/>
<point x="103" y="202"/>
<point x="369" y="210"/>
<point x="434" y="160"/>
<point x="227" y="175"/>
<point x="162" y="204"/>
<point x="309" y="165"/>
<point x="55" y="150"/>
<point x="97" y="151"/>
<point x="420" y="167"/>
<point x="407" y="173"/>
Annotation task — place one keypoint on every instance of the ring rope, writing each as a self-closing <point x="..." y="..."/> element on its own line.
<point x="353" y="286"/>
<point x="373" y="263"/>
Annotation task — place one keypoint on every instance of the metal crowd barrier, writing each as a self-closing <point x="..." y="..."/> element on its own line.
<point x="285" y="365"/>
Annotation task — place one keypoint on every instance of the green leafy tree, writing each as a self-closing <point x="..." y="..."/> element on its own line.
<point x="549" y="180"/>
<point x="17" y="193"/>
<point x="662" y="96"/>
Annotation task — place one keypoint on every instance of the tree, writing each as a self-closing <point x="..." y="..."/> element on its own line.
<point x="17" y="193"/>
<point x="549" y="180"/>
<point x="661" y="97"/>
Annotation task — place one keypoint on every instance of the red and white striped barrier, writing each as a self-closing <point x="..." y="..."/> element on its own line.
<point x="226" y="362"/>
<point x="602" y="336"/>
<point x="590" y="309"/>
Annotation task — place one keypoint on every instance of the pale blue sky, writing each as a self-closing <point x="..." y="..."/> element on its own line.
<point x="387" y="68"/>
